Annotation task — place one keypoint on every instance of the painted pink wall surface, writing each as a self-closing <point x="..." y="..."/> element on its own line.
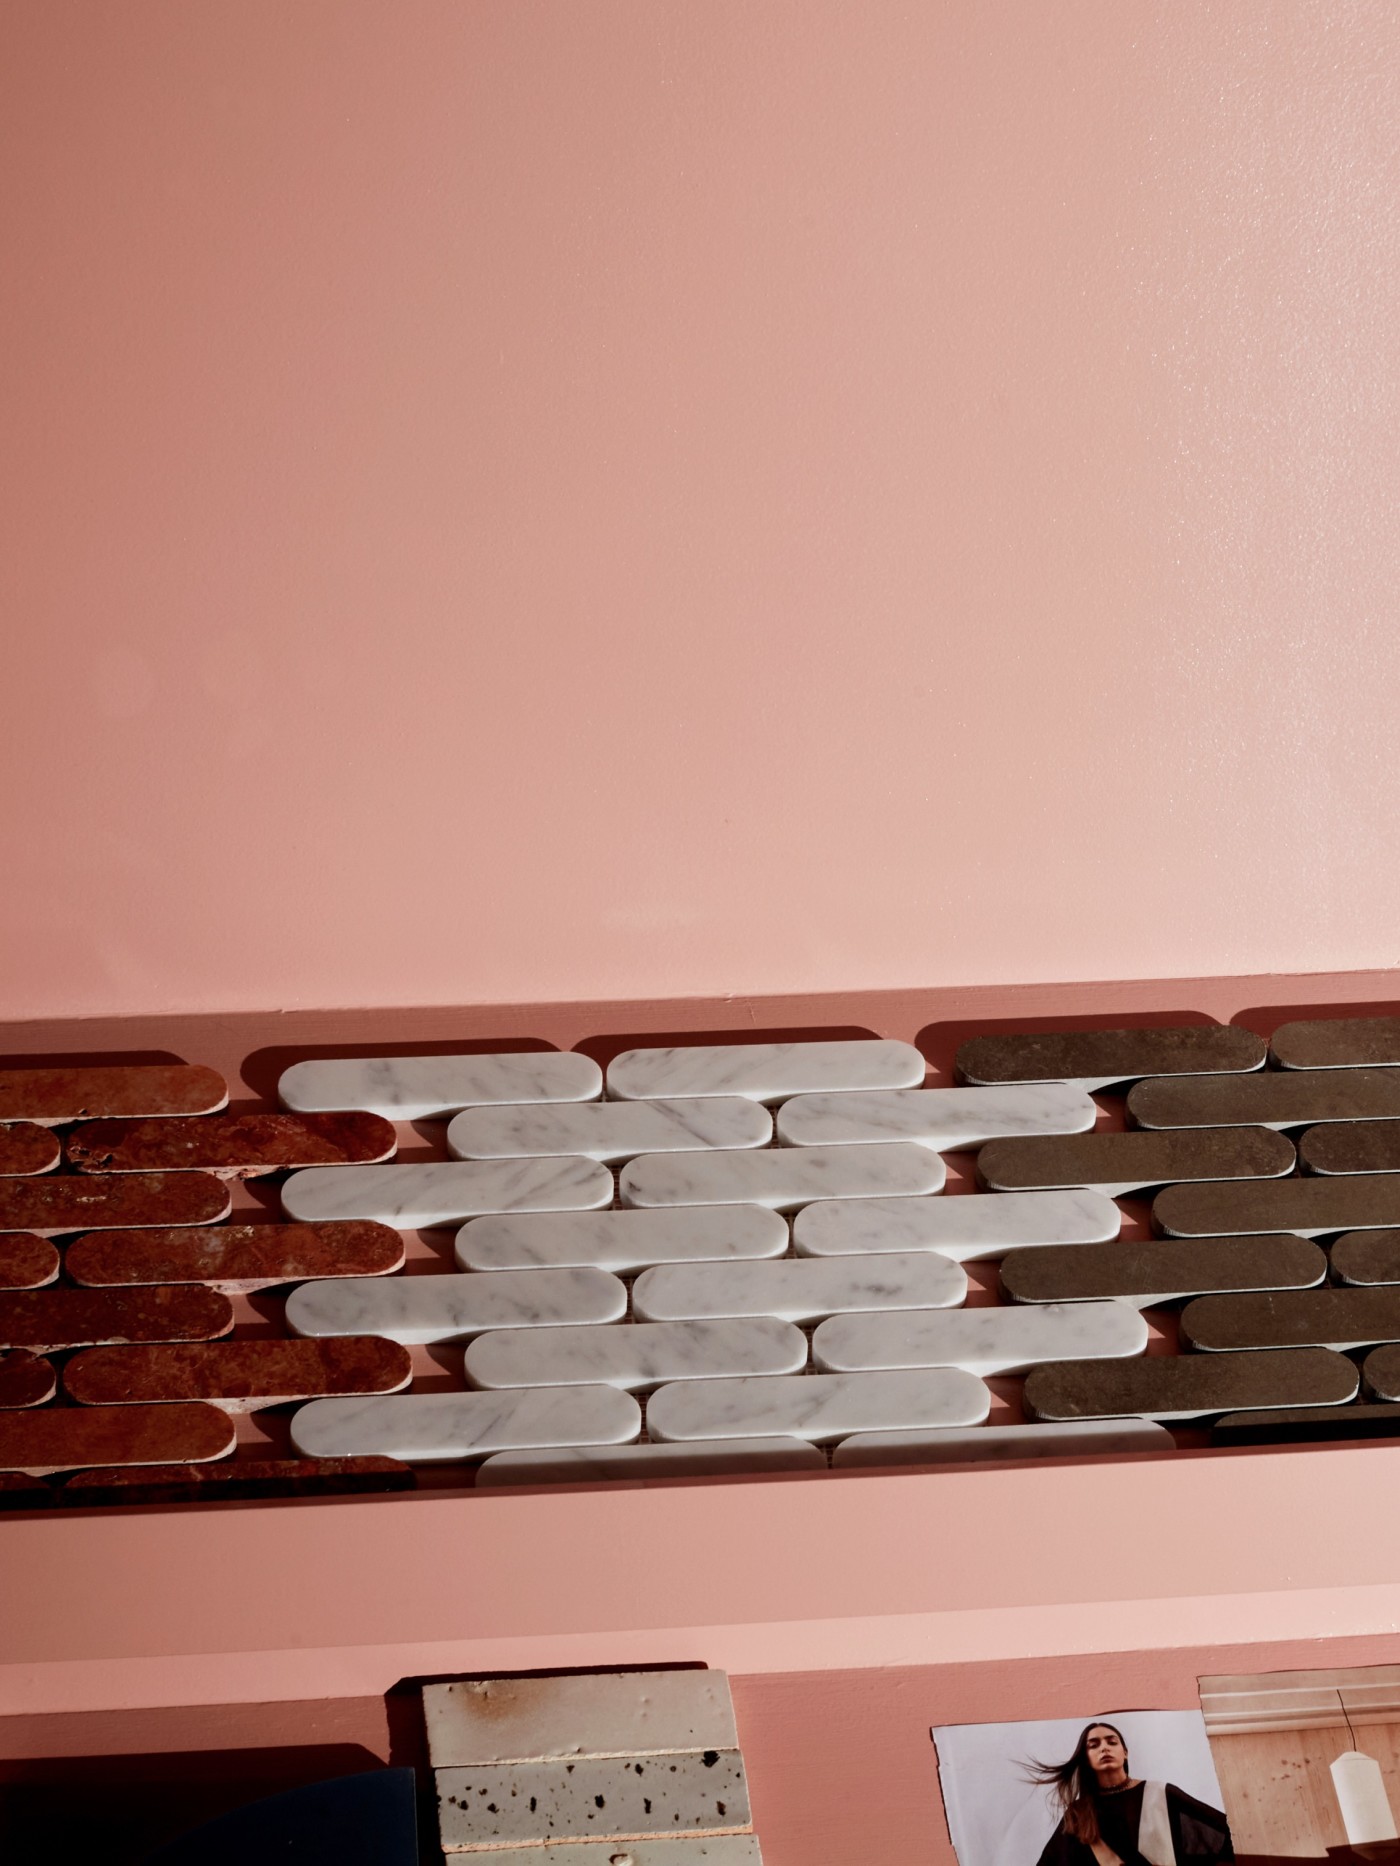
<point x="539" y="501"/>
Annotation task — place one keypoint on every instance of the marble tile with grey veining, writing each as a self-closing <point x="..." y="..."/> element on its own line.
<point x="427" y="1428"/>
<point x="696" y="1457"/>
<point x="421" y="1309"/>
<point x="966" y="1228"/>
<point x="945" y="1119"/>
<point x="637" y="1354"/>
<point x="417" y="1088"/>
<point x="444" y="1192"/>
<point x="610" y="1130"/>
<point x="980" y="1444"/>
<point x="982" y="1341"/>
<point x="783" y="1178"/>
<point x="800" y="1289"/>
<point x="622" y="1240"/>
<point x="764" y="1071"/>
<point x="819" y="1407"/>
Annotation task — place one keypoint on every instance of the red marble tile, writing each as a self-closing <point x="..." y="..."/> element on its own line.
<point x="26" y="1262"/>
<point x="73" y="1438"/>
<point x="233" y="1146"/>
<point x="72" y="1202"/>
<point x="53" y="1096"/>
<point x="235" y="1479"/>
<point x="236" y="1258"/>
<point x="25" y="1379"/>
<point x="46" y="1319"/>
<point x="25" y="1147"/>
<point x="239" y="1376"/>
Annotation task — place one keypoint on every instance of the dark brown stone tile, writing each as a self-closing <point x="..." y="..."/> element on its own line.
<point x="128" y="1091"/>
<point x="1107" y="1056"/>
<point x="1360" y="1147"/>
<point x="1121" y="1163"/>
<point x="1311" y="1207"/>
<point x="1323" y="1318"/>
<point x="1306" y="1424"/>
<point x="1337" y="1043"/>
<point x="71" y="1438"/>
<point x="1188" y="1386"/>
<point x="26" y="1262"/>
<point x="72" y="1202"/>
<point x="1380" y="1371"/>
<point x="48" y="1319"/>
<point x="239" y="1376"/>
<point x="18" y="1492"/>
<point x="1268" y="1098"/>
<point x="1367" y="1257"/>
<point x="1160" y="1270"/>
<point x="27" y="1148"/>
<point x="236" y="1258"/>
<point x="232" y="1146"/>
<point x="237" y="1479"/>
<point x="25" y="1379"/>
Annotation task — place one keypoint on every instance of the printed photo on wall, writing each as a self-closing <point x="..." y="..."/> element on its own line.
<point x="1116" y="1788"/>
<point x="1309" y="1762"/>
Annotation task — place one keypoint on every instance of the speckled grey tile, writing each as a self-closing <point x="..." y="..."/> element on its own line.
<point x="564" y="1718"/>
<point x="417" y="1310"/>
<point x="622" y="1240"/>
<point x="636" y="1354"/>
<point x="783" y="1178"/>
<point x="622" y="1798"/>
<point x="1100" y="1058"/>
<point x="1116" y="1164"/>
<point x="1310" y="1206"/>
<point x="596" y="1464"/>
<point x="1324" y="1318"/>
<point x="944" y="1119"/>
<point x="1337" y="1043"/>
<point x="610" y="1130"/>
<point x="1187" y="1386"/>
<point x="983" y="1341"/>
<point x="984" y="1444"/>
<point x="1276" y="1098"/>
<point x="818" y="1407"/>
<point x="800" y="1289"/>
<point x="417" y="1088"/>
<point x="1363" y="1258"/>
<point x="444" y="1192"/>
<point x="1162" y="1269"/>
<point x="431" y="1428"/>
<point x="764" y="1072"/>
<point x="1306" y="1425"/>
<point x="1360" y="1147"/>
<point x="965" y="1228"/>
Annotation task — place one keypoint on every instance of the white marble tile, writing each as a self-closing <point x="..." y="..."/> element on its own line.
<point x="622" y="1798"/>
<point x="966" y="1228"/>
<point x="636" y="1354"/>
<point x="982" y="1341"/>
<point x="764" y="1071"/>
<point x="610" y="1130"/>
<point x="696" y="1457"/>
<point x="714" y="1850"/>
<point x="800" y="1289"/>
<point x="945" y="1119"/>
<point x="444" y="1192"/>
<point x="417" y="1088"/>
<point x="819" y="1407"/>
<point x="429" y="1428"/>
<point x="479" y="1721"/>
<point x="986" y="1443"/>
<point x="625" y="1240"/>
<point x="420" y="1309"/>
<point x="780" y="1177"/>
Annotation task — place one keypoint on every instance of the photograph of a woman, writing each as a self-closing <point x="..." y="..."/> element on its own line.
<point x="1110" y="1817"/>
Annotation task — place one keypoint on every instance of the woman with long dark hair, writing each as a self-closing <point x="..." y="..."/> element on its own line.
<point x="1108" y="1817"/>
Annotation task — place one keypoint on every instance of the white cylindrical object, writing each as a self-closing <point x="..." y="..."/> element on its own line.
<point x="1361" y="1795"/>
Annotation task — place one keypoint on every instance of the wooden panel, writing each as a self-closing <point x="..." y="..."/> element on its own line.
<point x="1278" y="1790"/>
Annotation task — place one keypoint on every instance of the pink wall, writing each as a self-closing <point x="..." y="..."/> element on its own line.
<point x="539" y="501"/>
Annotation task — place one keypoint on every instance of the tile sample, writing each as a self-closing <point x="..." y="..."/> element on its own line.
<point x="564" y="1719"/>
<point x="444" y="1192"/>
<point x="427" y="1428"/>
<point x="980" y="1444"/>
<point x="711" y="1850"/>
<point x="1323" y="1318"/>
<point x="418" y="1088"/>
<point x="1275" y="1098"/>
<point x="622" y="1240"/>
<point x="126" y="1092"/>
<point x="945" y="1119"/>
<point x="1116" y="1164"/>
<point x="416" y="1310"/>
<point x="1189" y="1386"/>
<point x="639" y="1354"/>
<point x="1362" y="1258"/>
<point x="609" y="1130"/>
<point x="764" y="1071"/>
<point x="1162" y="1269"/>
<point x="800" y="1289"/>
<point x="26" y="1261"/>
<point x="1100" y="1058"/>
<point x="1306" y="1425"/>
<point x="234" y="1258"/>
<point x="70" y="1438"/>
<point x="245" y="1478"/>
<point x="964" y="1228"/>
<point x="1380" y="1373"/>
<point x="32" y="1493"/>
<point x="55" y="1205"/>
<point x="231" y="1146"/>
<point x="46" y="1319"/>
<point x="237" y="1376"/>
<point x="27" y="1380"/>
<point x="782" y="1178"/>
<point x="1366" y="1147"/>
<point x="25" y="1147"/>
<point x="1337" y="1043"/>
<point x="615" y="1798"/>
<point x="696" y="1457"/>
<point x="1311" y="1207"/>
<point x="818" y="1407"/>
<point x="983" y="1341"/>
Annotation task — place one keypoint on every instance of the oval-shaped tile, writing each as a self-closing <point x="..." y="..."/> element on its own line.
<point x="1311" y="1207"/>
<point x="25" y="1147"/>
<point x="445" y="1192"/>
<point x="428" y="1428"/>
<point x="26" y="1261"/>
<point x="817" y="1407"/>
<point x="984" y="1444"/>
<point x="1366" y="1147"/>
<point x="621" y="1240"/>
<point x="231" y="1146"/>
<point x="1116" y="1164"/>
<point x="421" y="1309"/>
<point x="55" y="1205"/>
<point x="782" y="1178"/>
<point x="126" y="1091"/>
<point x="1323" y="1318"/>
<point x="1162" y="1269"/>
<point x="1188" y="1386"/>
<point x="235" y="1258"/>
<point x="1364" y="1258"/>
<point x="237" y="1479"/>
<point x="944" y="1119"/>
<point x="418" y="1088"/>
<point x="1337" y="1043"/>
<point x="1380" y="1374"/>
<point x="1275" y="1098"/>
<point x="596" y="1464"/>
<point x="635" y="1355"/>
<point x="45" y="1319"/>
<point x="1100" y="1058"/>
<point x="764" y="1071"/>
<point x="966" y="1229"/>
<point x="70" y="1438"/>
<point x="28" y="1380"/>
<point x="982" y="1341"/>
<point x="610" y="1130"/>
<point x="239" y="1376"/>
<point x="799" y="1289"/>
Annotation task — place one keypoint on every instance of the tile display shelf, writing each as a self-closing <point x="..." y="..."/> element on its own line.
<point x="772" y="1259"/>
